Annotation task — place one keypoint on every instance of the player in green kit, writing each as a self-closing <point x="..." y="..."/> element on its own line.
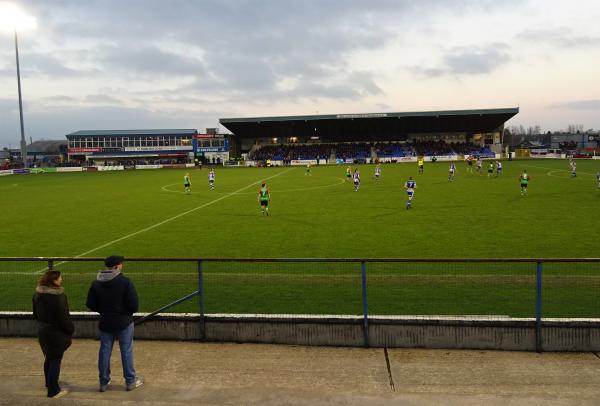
<point x="187" y="184"/>
<point x="524" y="178"/>
<point x="264" y="197"/>
<point x="490" y="169"/>
<point x="348" y="174"/>
<point x="307" y="170"/>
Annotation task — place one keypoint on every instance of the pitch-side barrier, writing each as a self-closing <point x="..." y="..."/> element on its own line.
<point x="516" y="304"/>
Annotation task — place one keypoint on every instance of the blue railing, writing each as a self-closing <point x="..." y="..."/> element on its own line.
<point x="532" y="288"/>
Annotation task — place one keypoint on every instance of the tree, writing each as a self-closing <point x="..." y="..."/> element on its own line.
<point x="575" y="128"/>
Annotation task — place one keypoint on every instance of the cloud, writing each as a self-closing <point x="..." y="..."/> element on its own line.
<point x="193" y="57"/>
<point x="147" y="59"/>
<point x="559" y="37"/>
<point x="580" y="105"/>
<point x="231" y="46"/>
<point x="474" y="60"/>
<point x="340" y="85"/>
<point x="102" y="99"/>
<point x="55" y="122"/>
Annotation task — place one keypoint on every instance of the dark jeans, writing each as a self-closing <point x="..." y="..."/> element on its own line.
<point x="51" y="373"/>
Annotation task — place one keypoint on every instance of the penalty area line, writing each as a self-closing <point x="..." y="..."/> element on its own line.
<point x="170" y="219"/>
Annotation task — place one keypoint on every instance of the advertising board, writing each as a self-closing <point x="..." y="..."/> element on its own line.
<point x="156" y="148"/>
<point x="83" y="151"/>
<point x="296" y="162"/>
<point x="148" y="166"/>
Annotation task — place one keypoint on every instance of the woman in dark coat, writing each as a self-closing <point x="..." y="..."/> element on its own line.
<point x="51" y="310"/>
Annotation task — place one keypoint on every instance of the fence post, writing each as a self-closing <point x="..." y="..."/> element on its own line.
<point x="363" y="268"/>
<point x="202" y="325"/>
<point x="538" y="308"/>
<point x="50" y="264"/>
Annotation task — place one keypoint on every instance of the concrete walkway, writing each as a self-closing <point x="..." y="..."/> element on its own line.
<point x="183" y="373"/>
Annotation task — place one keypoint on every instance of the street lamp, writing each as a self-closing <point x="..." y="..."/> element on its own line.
<point x="13" y="19"/>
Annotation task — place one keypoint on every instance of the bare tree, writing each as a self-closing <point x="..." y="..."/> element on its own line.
<point x="535" y="130"/>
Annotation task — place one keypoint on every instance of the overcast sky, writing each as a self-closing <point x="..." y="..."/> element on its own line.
<point x="184" y="64"/>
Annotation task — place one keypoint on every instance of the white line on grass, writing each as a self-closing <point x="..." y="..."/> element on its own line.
<point x="169" y="219"/>
<point x="552" y="174"/>
<point x="9" y="186"/>
<point x="554" y="169"/>
<point x="341" y="181"/>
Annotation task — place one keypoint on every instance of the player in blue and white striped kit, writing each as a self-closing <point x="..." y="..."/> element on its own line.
<point x="356" y="178"/>
<point x="377" y="172"/>
<point x="211" y="179"/>
<point x="452" y="170"/>
<point x="410" y="187"/>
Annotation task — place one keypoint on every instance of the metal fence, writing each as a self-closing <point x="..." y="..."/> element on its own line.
<point x="494" y="288"/>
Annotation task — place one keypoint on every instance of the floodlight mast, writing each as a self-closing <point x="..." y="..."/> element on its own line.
<point x="23" y="142"/>
<point x="12" y="19"/>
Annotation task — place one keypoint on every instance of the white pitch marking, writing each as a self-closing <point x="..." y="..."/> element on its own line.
<point x="551" y="173"/>
<point x="9" y="186"/>
<point x="172" y="191"/>
<point x="555" y="170"/>
<point x="341" y="181"/>
<point x="169" y="219"/>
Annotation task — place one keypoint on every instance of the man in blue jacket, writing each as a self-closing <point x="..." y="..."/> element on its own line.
<point x="113" y="296"/>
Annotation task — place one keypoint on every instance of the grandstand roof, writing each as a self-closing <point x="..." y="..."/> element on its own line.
<point x="370" y="125"/>
<point x="120" y="133"/>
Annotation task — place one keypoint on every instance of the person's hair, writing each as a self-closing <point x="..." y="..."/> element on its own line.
<point x="263" y="185"/>
<point x="48" y="278"/>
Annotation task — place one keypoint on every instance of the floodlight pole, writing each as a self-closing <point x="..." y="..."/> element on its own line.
<point x="23" y="142"/>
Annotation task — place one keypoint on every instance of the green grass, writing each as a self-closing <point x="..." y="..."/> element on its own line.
<point x="74" y="214"/>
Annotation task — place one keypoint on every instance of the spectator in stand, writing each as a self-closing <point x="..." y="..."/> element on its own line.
<point x="567" y="145"/>
<point x="289" y="152"/>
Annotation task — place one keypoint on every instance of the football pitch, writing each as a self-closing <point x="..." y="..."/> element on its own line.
<point x="146" y="214"/>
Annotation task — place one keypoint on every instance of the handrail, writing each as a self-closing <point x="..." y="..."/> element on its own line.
<point x="283" y="260"/>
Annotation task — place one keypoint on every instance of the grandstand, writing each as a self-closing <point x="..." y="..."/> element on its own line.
<point x="369" y="137"/>
<point x="134" y="146"/>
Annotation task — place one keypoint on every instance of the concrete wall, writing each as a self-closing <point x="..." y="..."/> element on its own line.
<point x="500" y="333"/>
